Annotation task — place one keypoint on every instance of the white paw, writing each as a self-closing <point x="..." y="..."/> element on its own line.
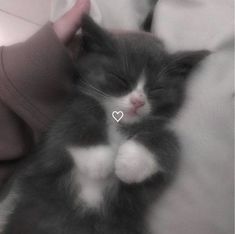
<point x="95" y="162"/>
<point x="134" y="163"/>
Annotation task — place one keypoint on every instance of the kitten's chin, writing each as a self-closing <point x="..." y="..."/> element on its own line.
<point x="133" y="116"/>
<point x="130" y="118"/>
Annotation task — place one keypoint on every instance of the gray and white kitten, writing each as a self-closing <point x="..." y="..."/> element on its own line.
<point x="91" y="174"/>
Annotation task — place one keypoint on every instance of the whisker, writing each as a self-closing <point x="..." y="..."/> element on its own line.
<point x="85" y="88"/>
<point x="94" y="88"/>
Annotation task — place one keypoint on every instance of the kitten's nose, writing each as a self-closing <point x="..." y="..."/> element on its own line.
<point x="137" y="102"/>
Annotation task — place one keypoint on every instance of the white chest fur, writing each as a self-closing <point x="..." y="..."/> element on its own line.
<point x="94" y="168"/>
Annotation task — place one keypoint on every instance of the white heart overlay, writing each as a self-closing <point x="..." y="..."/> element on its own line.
<point x="117" y="115"/>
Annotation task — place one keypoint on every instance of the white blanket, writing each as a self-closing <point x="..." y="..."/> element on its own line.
<point x="201" y="200"/>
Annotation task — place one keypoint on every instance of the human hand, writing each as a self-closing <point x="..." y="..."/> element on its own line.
<point x="67" y="25"/>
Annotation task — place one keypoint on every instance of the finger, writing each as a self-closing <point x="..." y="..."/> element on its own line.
<point x="66" y="26"/>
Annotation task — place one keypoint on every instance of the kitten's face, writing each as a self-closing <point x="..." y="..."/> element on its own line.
<point x="132" y="73"/>
<point x="135" y="104"/>
<point x="119" y="82"/>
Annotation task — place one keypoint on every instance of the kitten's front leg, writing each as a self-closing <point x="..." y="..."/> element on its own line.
<point x="135" y="163"/>
<point x="146" y="155"/>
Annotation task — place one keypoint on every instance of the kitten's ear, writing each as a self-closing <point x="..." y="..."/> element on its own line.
<point x="94" y="38"/>
<point x="183" y="63"/>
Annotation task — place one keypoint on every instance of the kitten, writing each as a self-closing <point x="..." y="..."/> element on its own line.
<point x="92" y="175"/>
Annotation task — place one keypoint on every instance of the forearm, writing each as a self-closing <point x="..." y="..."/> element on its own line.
<point x="36" y="78"/>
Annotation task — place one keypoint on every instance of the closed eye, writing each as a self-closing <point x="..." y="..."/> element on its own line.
<point x="119" y="78"/>
<point x="156" y="90"/>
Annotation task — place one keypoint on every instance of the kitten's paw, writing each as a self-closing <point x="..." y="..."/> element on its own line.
<point x="95" y="162"/>
<point x="134" y="163"/>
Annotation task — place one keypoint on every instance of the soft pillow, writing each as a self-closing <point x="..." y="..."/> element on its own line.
<point x="115" y="14"/>
<point x="193" y="24"/>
